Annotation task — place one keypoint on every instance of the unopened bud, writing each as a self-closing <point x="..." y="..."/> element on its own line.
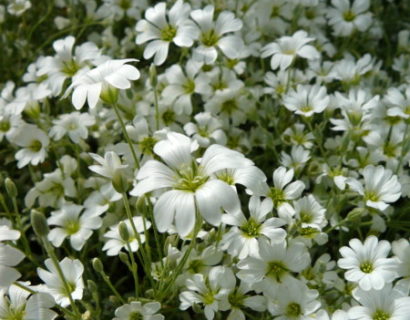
<point x="355" y="215"/>
<point x="109" y="94"/>
<point x="39" y="223"/>
<point x="123" y="230"/>
<point x="153" y="75"/>
<point x="97" y="265"/>
<point x="124" y="258"/>
<point x="10" y="188"/>
<point x="120" y="182"/>
<point x="92" y="286"/>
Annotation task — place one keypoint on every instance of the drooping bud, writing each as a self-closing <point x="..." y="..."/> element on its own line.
<point x="10" y="188"/>
<point x="39" y="223"/>
<point x="123" y="230"/>
<point x="97" y="265"/>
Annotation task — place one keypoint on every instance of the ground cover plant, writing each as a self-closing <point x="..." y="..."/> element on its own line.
<point x="189" y="159"/>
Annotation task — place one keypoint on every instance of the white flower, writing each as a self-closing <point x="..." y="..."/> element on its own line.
<point x="346" y="17"/>
<point x="70" y="224"/>
<point x="137" y="310"/>
<point x="108" y="166"/>
<point x="399" y="103"/>
<point x="19" y="304"/>
<point x="211" y="291"/>
<point x="182" y="84"/>
<point x="367" y="263"/>
<point x="243" y="239"/>
<point x="297" y="158"/>
<point x="310" y="213"/>
<point x="401" y="249"/>
<point x="73" y="124"/>
<point x="91" y="84"/>
<point x="292" y="300"/>
<point x="190" y="183"/>
<point x="387" y="303"/>
<point x="9" y="124"/>
<point x="283" y="189"/>
<point x="9" y="258"/>
<point x="161" y="28"/>
<point x="66" y="63"/>
<point x="286" y="49"/>
<point x="380" y="187"/>
<point x="307" y="100"/>
<point x="275" y="264"/>
<point x="72" y="271"/>
<point x="206" y="130"/>
<point x="18" y="7"/>
<point x="33" y="142"/>
<point x="213" y="34"/>
<point x="115" y="243"/>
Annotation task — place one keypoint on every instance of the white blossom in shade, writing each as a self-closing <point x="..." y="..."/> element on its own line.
<point x="9" y="258"/>
<point x="297" y="158"/>
<point x="161" y="28"/>
<point x="216" y="34"/>
<point x="292" y="300"/>
<point x="18" y="7"/>
<point x="108" y="166"/>
<point x="67" y="61"/>
<point x="28" y="98"/>
<point x="19" y="304"/>
<point x="379" y="188"/>
<point x="211" y="291"/>
<point x="70" y="224"/>
<point x="309" y="213"/>
<point x="243" y="238"/>
<point x="183" y="83"/>
<point x="401" y="250"/>
<point x="7" y="232"/>
<point x="347" y="16"/>
<point x="54" y="285"/>
<point x="398" y="102"/>
<point x="283" y="189"/>
<point x="285" y="50"/>
<point x="306" y="100"/>
<point x="115" y="243"/>
<point x="9" y="124"/>
<point x="367" y="263"/>
<point x="73" y="124"/>
<point x="34" y="143"/>
<point x="296" y="135"/>
<point x="189" y="182"/>
<point x="52" y="190"/>
<point x="275" y="264"/>
<point x="240" y="299"/>
<point x="118" y="9"/>
<point x="206" y="130"/>
<point x="137" y="310"/>
<point x="389" y="302"/>
<point x="91" y="84"/>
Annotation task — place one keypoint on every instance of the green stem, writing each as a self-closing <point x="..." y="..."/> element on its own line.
<point x="134" y="269"/>
<point x="124" y="131"/>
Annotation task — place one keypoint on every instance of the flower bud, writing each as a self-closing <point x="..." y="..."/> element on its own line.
<point x="123" y="230"/>
<point x="120" y="182"/>
<point x="97" y="265"/>
<point x="109" y="94"/>
<point x="355" y="215"/>
<point x="124" y="258"/>
<point x="153" y="75"/>
<point x="10" y="188"/>
<point x="39" y="223"/>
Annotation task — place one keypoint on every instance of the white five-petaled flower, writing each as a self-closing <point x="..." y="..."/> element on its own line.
<point x="18" y="304"/>
<point x="9" y="256"/>
<point x="71" y="224"/>
<point x="213" y="35"/>
<point x="243" y="238"/>
<point x="287" y="48"/>
<point x="380" y="188"/>
<point x="367" y="263"/>
<point x="73" y="124"/>
<point x="90" y="85"/>
<point x="161" y="28"/>
<point x="190" y="183"/>
<point x="137" y="310"/>
<point x="306" y="100"/>
<point x="72" y="271"/>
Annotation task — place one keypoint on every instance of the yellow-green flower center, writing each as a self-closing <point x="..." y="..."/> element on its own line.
<point x="366" y="267"/>
<point x="168" y="33"/>
<point x="277" y="196"/>
<point x="293" y="310"/>
<point x="251" y="228"/>
<point x="380" y="315"/>
<point x="276" y="270"/>
<point x="349" y="15"/>
<point x="209" y="38"/>
<point x="35" y="146"/>
<point x="72" y="226"/>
